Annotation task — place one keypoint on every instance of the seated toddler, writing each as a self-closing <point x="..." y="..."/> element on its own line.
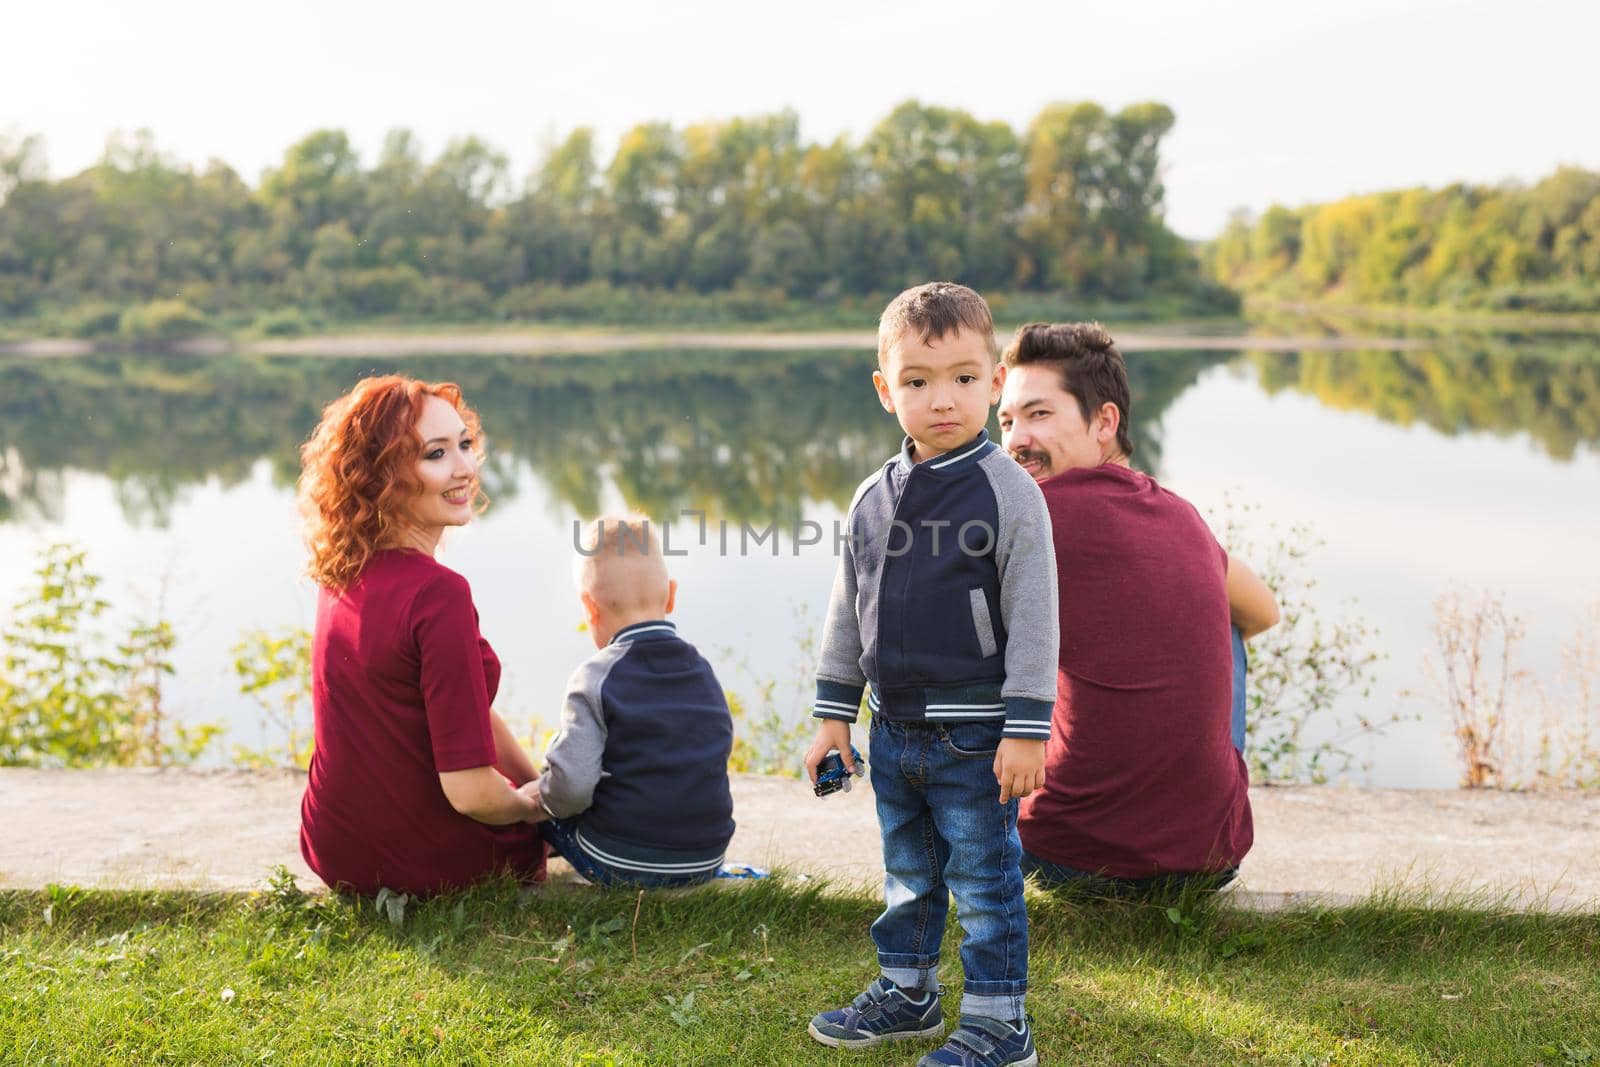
<point x="636" y="785"/>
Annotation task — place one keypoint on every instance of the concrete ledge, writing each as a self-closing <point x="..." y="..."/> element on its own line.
<point x="1323" y="845"/>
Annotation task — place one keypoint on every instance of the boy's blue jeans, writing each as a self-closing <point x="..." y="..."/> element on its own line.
<point x="945" y="831"/>
<point x="561" y="835"/>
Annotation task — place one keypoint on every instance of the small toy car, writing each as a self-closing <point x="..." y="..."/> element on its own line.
<point x="742" y="870"/>
<point x="831" y="775"/>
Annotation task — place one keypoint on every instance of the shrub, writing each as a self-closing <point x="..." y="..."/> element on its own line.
<point x="162" y="320"/>
<point x="1513" y="730"/>
<point x="274" y="670"/>
<point x="1551" y="297"/>
<point x="379" y="290"/>
<point x="452" y="299"/>
<point x="94" y="320"/>
<point x="1477" y="675"/>
<point x="1300" y="668"/>
<point x="604" y="304"/>
<point x="282" y="322"/>
<point x="70" y="698"/>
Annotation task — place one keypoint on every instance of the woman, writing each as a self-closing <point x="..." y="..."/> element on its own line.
<point x="416" y="784"/>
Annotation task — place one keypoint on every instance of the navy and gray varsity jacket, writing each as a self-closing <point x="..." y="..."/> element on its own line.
<point x="945" y="599"/>
<point x="642" y="757"/>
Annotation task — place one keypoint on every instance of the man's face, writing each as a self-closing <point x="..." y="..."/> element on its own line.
<point x="1042" y="426"/>
<point x="941" y="390"/>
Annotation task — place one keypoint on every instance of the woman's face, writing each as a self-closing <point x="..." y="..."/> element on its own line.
<point x="447" y="471"/>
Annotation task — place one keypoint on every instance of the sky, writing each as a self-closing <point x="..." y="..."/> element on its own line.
<point x="1277" y="101"/>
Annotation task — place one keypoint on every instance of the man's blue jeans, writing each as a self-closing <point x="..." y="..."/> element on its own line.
<point x="1057" y="876"/>
<point x="945" y="831"/>
<point x="1241" y="673"/>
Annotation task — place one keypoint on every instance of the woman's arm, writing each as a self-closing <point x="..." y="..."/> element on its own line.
<point x="510" y="759"/>
<point x="1251" y="604"/>
<point x="455" y="696"/>
<point x="482" y="793"/>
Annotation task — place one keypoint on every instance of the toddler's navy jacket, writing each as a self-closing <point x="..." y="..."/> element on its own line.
<point x="642" y="757"/>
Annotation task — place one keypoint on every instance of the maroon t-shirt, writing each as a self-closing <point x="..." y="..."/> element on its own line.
<point x="1141" y="777"/>
<point x="401" y="686"/>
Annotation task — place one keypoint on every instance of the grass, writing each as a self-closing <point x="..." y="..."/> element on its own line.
<point x="731" y="975"/>
<point x="1298" y="315"/>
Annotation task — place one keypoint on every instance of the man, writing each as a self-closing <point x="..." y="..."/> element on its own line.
<point x="1144" y="779"/>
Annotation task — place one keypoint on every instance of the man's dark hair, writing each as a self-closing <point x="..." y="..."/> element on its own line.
<point x="1091" y="368"/>
<point x="934" y="311"/>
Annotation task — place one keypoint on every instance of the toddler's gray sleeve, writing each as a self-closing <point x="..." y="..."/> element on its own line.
<point x="573" y="764"/>
<point x="840" y="682"/>
<point x="1025" y="555"/>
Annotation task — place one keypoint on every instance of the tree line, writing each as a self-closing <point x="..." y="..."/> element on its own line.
<point x="1504" y="247"/>
<point x="724" y="211"/>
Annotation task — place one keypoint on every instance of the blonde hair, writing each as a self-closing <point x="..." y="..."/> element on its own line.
<point x="619" y="564"/>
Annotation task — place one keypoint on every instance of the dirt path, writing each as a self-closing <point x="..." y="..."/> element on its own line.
<point x="226" y="829"/>
<point x="538" y="342"/>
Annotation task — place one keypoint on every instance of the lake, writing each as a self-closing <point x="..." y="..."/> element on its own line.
<point x="1466" y="465"/>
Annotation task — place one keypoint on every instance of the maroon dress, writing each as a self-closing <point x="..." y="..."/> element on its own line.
<point x="401" y="687"/>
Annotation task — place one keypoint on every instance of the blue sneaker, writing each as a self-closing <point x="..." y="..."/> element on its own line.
<point x="885" y="1012"/>
<point x="980" y="1042"/>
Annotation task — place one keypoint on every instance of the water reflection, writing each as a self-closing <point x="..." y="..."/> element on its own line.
<point x="186" y="463"/>
<point x="743" y="435"/>
<point x="1477" y="385"/>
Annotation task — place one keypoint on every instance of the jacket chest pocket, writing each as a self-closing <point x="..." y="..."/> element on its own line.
<point x="983" y="623"/>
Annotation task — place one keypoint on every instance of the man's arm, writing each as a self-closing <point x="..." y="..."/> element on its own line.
<point x="1251" y="604"/>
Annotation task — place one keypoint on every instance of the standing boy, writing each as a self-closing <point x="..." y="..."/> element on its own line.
<point x="945" y="605"/>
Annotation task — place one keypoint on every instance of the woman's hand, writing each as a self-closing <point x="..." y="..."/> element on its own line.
<point x="530" y="790"/>
<point x="482" y="793"/>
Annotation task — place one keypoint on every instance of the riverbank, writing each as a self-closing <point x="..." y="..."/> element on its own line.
<point x="478" y="341"/>
<point x="1266" y="325"/>
<point x="1295" y="315"/>
<point x="225" y="829"/>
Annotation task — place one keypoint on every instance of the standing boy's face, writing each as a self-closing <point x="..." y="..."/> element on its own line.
<point x="941" y="390"/>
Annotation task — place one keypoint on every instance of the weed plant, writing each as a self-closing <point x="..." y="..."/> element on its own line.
<point x="1302" y="667"/>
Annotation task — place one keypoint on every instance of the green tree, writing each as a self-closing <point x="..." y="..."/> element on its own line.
<point x="318" y="183"/>
<point x="1503" y="247"/>
<point x="951" y="183"/>
<point x="733" y="206"/>
<point x="1094" y="200"/>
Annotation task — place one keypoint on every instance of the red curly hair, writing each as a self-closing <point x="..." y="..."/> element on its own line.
<point x="357" y="472"/>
